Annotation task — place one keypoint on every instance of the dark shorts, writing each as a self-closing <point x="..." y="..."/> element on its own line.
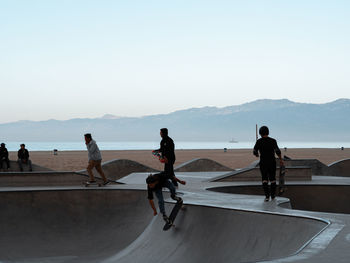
<point x="268" y="172"/>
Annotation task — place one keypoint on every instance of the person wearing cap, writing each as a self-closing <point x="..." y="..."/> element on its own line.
<point x="95" y="159"/>
<point x="167" y="151"/>
<point x="23" y="158"/>
<point x="267" y="147"/>
<point x="155" y="183"/>
<point x="4" y="156"/>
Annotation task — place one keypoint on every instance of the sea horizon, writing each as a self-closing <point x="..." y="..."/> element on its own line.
<point x="150" y="145"/>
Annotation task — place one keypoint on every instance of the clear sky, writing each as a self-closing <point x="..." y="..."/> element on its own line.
<point x="64" y="59"/>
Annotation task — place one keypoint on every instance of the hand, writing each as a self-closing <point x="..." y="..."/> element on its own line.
<point x="281" y="162"/>
<point x="182" y="182"/>
<point x="155" y="213"/>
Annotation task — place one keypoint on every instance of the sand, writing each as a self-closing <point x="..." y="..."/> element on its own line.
<point x="77" y="160"/>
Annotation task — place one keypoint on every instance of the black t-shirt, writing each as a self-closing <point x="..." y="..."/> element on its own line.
<point x="160" y="177"/>
<point x="167" y="148"/>
<point x="267" y="147"/>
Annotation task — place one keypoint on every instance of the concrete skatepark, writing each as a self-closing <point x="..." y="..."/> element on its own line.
<point x="51" y="217"/>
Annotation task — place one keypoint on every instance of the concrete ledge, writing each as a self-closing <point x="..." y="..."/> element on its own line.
<point x="300" y="173"/>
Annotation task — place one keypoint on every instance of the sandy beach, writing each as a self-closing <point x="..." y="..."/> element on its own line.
<point x="237" y="158"/>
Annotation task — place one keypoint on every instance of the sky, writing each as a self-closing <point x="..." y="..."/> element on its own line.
<point x="63" y="59"/>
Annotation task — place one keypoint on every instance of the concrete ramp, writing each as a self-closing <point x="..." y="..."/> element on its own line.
<point x="206" y="234"/>
<point x="118" y="168"/>
<point x="340" y="168"/>
<point x="201" y="165"/>
<point x="114" y="225"/>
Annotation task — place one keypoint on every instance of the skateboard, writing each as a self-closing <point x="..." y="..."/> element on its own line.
<point x="172" y="216"/>
<point x="281" y="187"/>
<point x="157" y="154"/>
<point x="92" y="184"/>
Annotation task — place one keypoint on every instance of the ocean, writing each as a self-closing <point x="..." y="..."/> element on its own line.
<point x="78" y="146"/>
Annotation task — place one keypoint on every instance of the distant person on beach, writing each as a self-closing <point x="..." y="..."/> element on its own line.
<point x="95" y="159"/>
<point x="167" y="150"/>
<point x="23" y="158"/>
<point x="4" y="156"/>
<point x="155" y="183"/>
<point x="267" y="147"/>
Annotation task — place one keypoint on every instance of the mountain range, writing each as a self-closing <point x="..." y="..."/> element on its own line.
<point x="287" y="120"/>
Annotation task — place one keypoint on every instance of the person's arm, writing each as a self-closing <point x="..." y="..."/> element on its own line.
<point x="153" y="206"/>
<point x="180" y="181"/>
<point x="278" y="152"/>
<point x="256" y="150"/>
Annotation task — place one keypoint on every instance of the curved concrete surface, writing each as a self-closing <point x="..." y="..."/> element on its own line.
<point x="118" y="168"/>
<point x="69" y="225"/>
<point x="110" y="225"/>
<point x="319" y="198"/>
<point x="201" y="165"/>
<point x="340" y="168"/>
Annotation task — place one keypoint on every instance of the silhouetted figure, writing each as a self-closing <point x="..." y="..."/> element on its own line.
<point x="167" y="150"/>
<point x="267" y="147"/>
<point x="23" y="158"/>
<point x="4" y="156"/>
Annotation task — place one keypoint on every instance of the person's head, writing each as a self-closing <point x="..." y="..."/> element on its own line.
<point x="23" y="146"/>
<point x="264" y="131"/>
<point x="151" y="181"/>
<point x="2" y="145"/>
<point x="163" y="132"/>
<point x="87" y="137"/>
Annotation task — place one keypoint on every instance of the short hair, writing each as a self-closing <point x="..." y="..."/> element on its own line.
<point x="164" y="131"/>
<point x="264" y="131"/>
<point x="88" y="135"/>
<point x="150" y="179"/>
<point x="22" y="144"/>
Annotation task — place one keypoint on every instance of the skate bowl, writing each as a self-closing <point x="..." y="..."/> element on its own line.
<point x="318" y="198"/>
<point x="340" y="168"/>
<point x="116" y="225"/>
<point x="14" y="167"/>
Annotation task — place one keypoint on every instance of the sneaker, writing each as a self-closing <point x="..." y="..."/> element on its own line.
<point x="178" y="199"/>
<point x="267" y="199"/>
<point x="165" y="218"/>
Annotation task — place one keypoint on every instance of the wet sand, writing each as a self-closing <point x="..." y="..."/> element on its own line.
<point x="235" y="158"/>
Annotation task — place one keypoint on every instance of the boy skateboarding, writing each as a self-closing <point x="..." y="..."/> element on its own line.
<point x="155" y="183"/>
<point x="267" y="147"/>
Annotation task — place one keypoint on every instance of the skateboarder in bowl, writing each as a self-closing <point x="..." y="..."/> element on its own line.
<point x="267" y="147"/>
<point x="167" y="151"/>
<point x="95" y="159"/>
<point x="155" y="183"/>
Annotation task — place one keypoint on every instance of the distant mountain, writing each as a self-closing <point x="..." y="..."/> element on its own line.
<point x="288" y="121"/>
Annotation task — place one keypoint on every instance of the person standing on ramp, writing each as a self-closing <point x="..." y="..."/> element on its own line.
<point x="267" y="147"/>
<point x="167" y="150"/>
<point x="95" y="159"/>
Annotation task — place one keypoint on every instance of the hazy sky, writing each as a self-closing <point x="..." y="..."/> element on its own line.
<point x="66" y="59"/>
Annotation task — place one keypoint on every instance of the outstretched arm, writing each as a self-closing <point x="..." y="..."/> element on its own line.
<point x="153" y="206"/>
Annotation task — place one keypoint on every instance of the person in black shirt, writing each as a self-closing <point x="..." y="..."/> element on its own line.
<point x="267" y="147"/>
<point x="23" y="158"/>
<point x="155" y="183"/>
<point x="167" y="150"/>
<point x="4" y="156"/>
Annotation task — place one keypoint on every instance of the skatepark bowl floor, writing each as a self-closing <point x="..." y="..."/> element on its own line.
<point x="117" y="225"/>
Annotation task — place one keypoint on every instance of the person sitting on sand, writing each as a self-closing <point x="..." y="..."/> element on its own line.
<point x="155" y="183"/>
<point x="4" y="156"/>
<point x="95" y="159"/>
<point x="23" y="158"/>
<point x="267" y="147"/>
